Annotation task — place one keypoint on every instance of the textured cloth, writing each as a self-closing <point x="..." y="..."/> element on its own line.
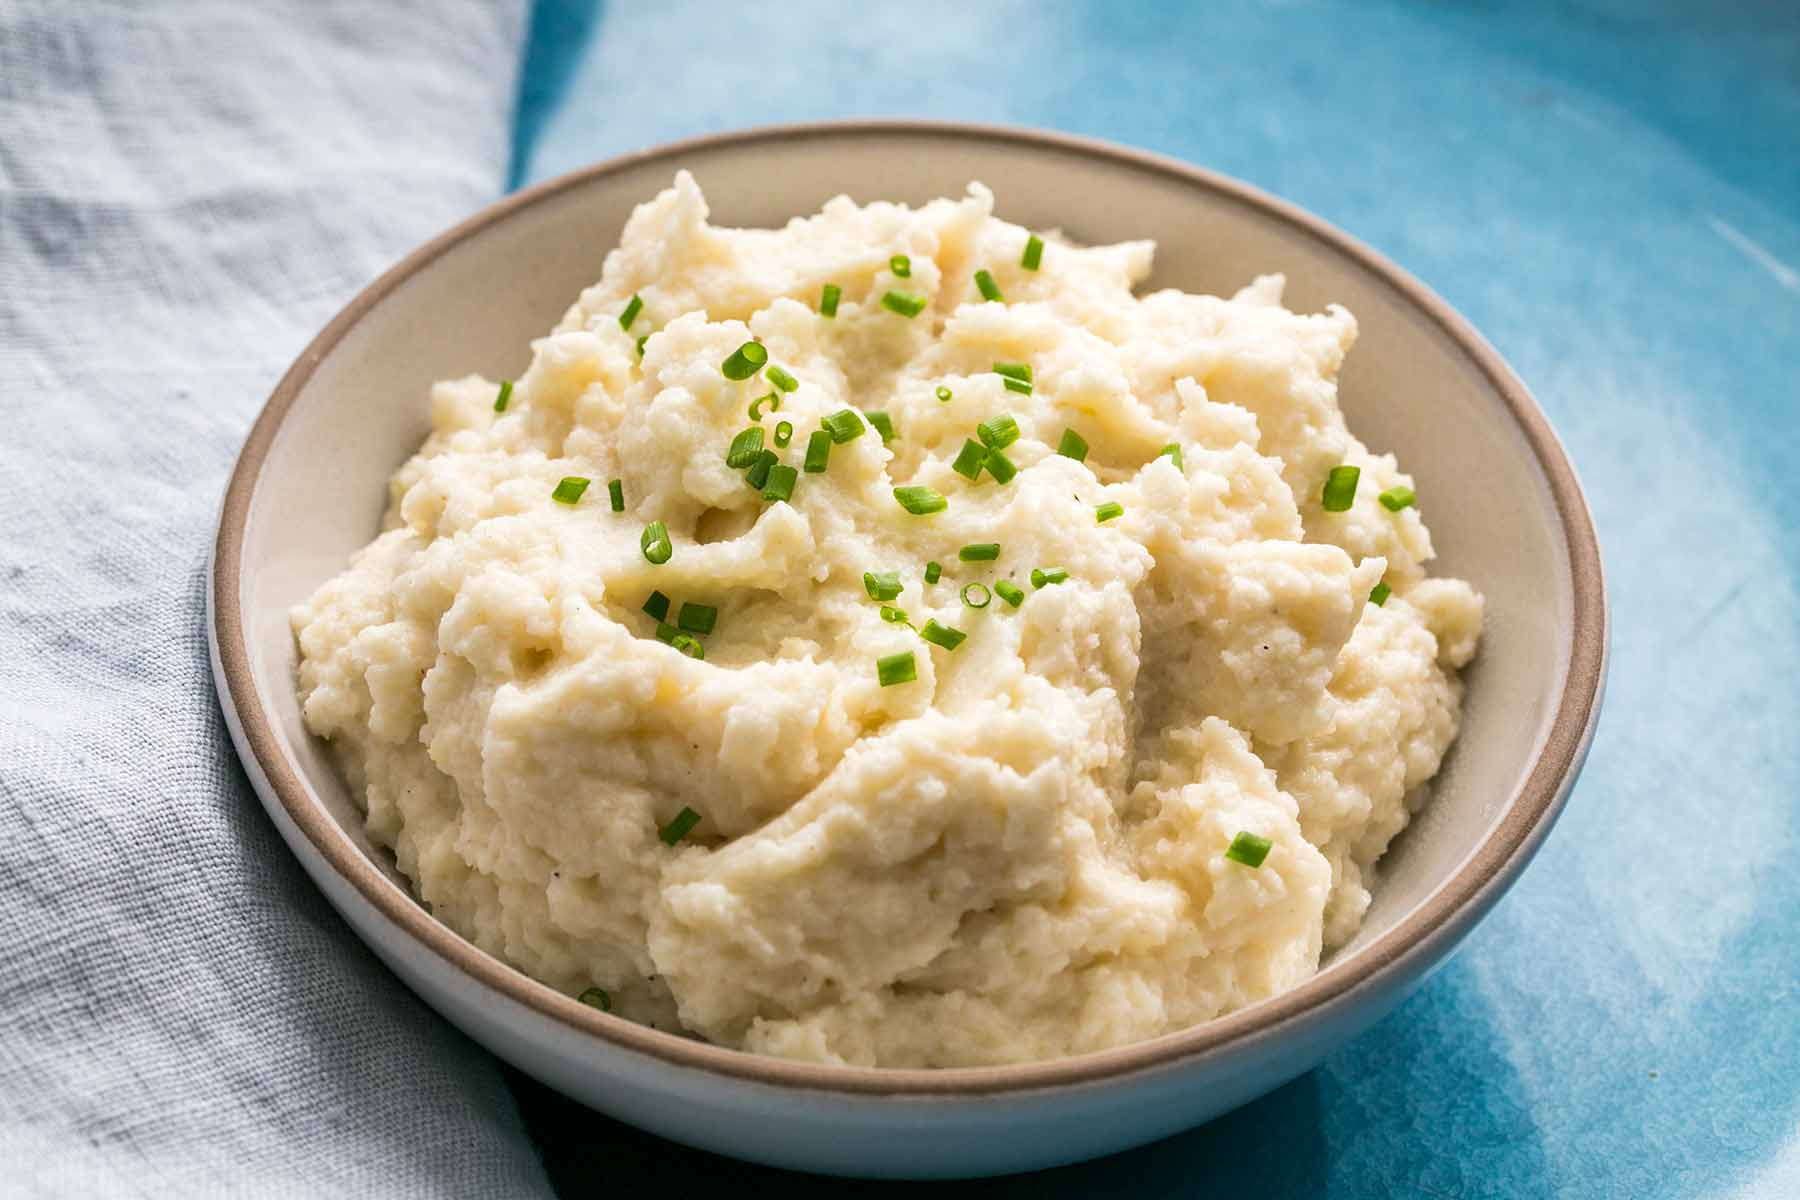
<point x="187" y="193"/>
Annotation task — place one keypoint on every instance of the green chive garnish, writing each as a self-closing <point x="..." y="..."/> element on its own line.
<point x="758" y="474"/>
<point x="1010" y="592"/>
<point x="784" y="433"/>
<point x="976" y="595"/>
<point x="1397" y="498"/>
<point x="896" y="668"/>
<point x="782" y="380"/>
<point x="697" y="618"/>
<point x="596" y="998"/>
<point x="780" y="484"/>
<point x="920" y="501"/>
<point x="1000" y="467"/>
<point x="998" y="433"/>
<point x="944" y="394"/>
<point x="772" y="399"/>
<point x="934" y="571"/>
<point x="942" y="635"/>
<point x="1106" y="512"/>
<point x="569" y="490"/>
<point x="884" y="425"/>
<point x="979" y="552"/>
<point x="680" y="827"/>
<point x="505" y="396"/>
<point x="1378" y="596"/>
<point x="615" y="492"/>
<point x="818" y="452"/>
<point x="631" y="311"/>
<point x="901" y="266"/>
<point x="1034" y="253"/>
<point x="688" y="645"/>
<point x="1249" y="849"/>
<point x="828" y="301"/>
<point x="843" y="425"/>
<point x="745" y="361"/>
<point x="1172" y="451"/>
<point x="666" y="632"/>
<point x="745" y="448"/>
<point x="892" y="615"/>
<point x="1019" y="371"/>
<point x="1340" y="489"/>
<point x="657" y="606"/>
<point x="1073" y="445"/>
<point x="1043" y="576"/>
<point x="881" y="585"/>
<point x="990" y="290"/>
<point x="904" y="304"/>
<point x="1017" y="385"/>
<point x="641" y="342"/>
<point x="655" y="543"/>
<point x="969" y="462"/>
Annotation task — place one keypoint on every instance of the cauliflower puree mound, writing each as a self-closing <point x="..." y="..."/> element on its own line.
<point x="1019" y="855"/>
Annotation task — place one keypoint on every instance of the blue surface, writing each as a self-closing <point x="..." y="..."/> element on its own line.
<point x="1611" y="192"/>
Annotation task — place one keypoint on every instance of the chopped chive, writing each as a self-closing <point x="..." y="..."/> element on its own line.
<point x="969" y="462"/>
<point x="1073" y="445"/>
<point x="1172" y="451"/>
<point x="998" y="433"/>
<point x="1021" y="371"/>
<point x="505" y="396"/>
<point x="680" y="827"/>
<point x="615" y="492"/>
<point x="697" y="618"/>
<point x="894" y="616"/>
<point x="1340" y="489"/>
<point x="745" y="448"/>
<point x="884" y="424"/>
<point x="843" y="425"/>
<point x="828" y="300"/>
<point x="657" y="605"/>
<point x="782" y="380"/>
<point x="990" y="290"/>
<point x="772" y="399"/>
<point x="758" y="474"/>
<point x="920" y="501"/>
<point x="901" y="266"/>
<point x="944" y="394"/>
<point x="655" y="543"/>
<point x="979" y="552"/>
<point x="976" y="595"/>
<point x="1106" y="512"/>
<point x="1378" y="596"/>
<point x="1021" y="386"/>
<point x="631" y="311"/>
<point x="666" y="632"/>
<point x="784" y="433"/>
<point x="780" y="485"/>
<point x="1010" y="592"/>
<point x="1034" y="253"/>
<point x="881" y="585"/>
<point x="934" y="571"/>
<point x="641" y="342"/>
<point x="1000" y="467"/>
<point x="896" y="668"/>
<point x="942" y="635"/>
<point x="1249" y="849"/>
<point x="688" y="645"/>
<point x="569" y="490"/>
<point x="1397" y="498"/>
<point x="745" y="361"/>
<point x="596" y="998"/>
<point x="903" y="303"/>
<point x="818" y="452"/>
<point x="1043" y="576"/>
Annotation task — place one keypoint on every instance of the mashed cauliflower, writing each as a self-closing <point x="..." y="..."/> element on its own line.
<point x="1017" y="853"/>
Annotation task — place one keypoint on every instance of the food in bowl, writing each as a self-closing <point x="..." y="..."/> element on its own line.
<point x="889" y="640"/>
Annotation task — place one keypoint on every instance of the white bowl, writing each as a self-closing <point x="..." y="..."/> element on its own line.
<point x="1506" y="513"/>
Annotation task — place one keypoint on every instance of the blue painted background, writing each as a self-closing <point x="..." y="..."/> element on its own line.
<point x="1611" y="192"/>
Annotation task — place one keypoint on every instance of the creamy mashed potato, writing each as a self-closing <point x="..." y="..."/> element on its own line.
<point x="1025" y="849"/>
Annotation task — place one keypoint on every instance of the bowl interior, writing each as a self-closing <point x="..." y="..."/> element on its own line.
<point x="1408" y="387"/>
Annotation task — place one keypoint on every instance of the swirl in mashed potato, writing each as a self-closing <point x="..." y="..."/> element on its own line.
<point x="1020" y="853"/>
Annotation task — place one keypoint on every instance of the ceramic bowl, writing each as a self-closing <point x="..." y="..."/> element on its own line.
<point x="1506" y="513"/>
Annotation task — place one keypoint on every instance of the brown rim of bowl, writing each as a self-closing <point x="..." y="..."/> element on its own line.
<point x="1434" y="921"/>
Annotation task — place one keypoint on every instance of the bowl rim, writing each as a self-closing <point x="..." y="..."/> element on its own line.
<point x="1416" y="940"/>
